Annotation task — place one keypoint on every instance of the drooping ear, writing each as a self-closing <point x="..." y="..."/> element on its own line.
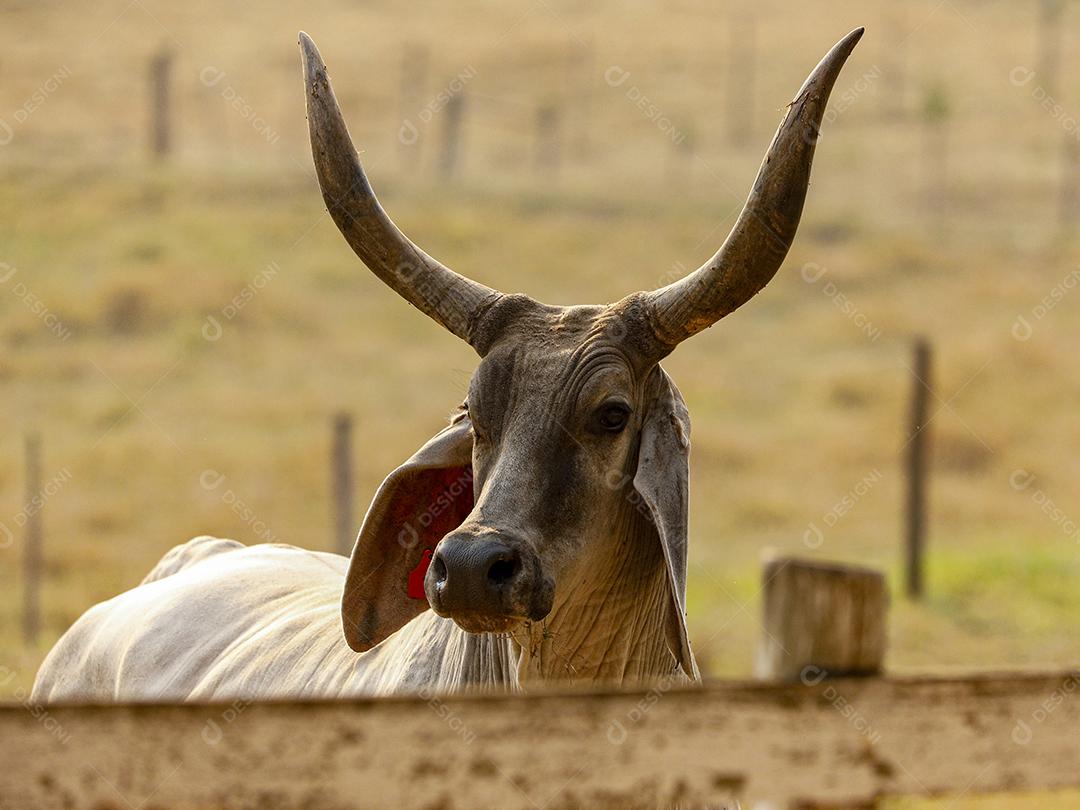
<point x="662" y="481"/>
<point x="424" y="499"/>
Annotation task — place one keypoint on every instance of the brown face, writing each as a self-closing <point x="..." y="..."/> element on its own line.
<point x="556" y="410"/>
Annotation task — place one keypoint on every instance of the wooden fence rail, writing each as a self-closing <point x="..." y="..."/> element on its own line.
<point x="826" y="743"/>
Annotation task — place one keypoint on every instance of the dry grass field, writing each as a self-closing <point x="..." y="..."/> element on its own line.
<point x="113" y="264"/>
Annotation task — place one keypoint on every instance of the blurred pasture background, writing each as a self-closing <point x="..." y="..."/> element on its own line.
<point x="170" y="314"/>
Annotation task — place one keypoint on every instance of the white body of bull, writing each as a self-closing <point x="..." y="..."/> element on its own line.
<point x="218" y="620"/>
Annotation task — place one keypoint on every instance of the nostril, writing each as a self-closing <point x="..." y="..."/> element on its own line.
<point x="502" y="571"/>
<point x="439" y="567"/>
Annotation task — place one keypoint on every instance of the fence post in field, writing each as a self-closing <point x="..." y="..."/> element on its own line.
<point x="1069" y="198"/>
<point x="160" y="114"/>
<point x="547" y="138"/>
<point x="1049" y="56"/>
<point x="681" y="156"/>
<point x="821" y="620"/>
<point x="936" y="158"/>
<point x="33" y="538"/>
<point x="742" y="68"/>
<point x="894" y="60"/>
<point x="414" y="70"/>
<point x="453" y="116"/>
<point x="342" y="475"/>
<point x="581" y="69"/>
<point x="916" y="462"/>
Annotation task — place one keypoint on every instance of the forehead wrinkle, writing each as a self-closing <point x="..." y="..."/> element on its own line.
<point x="557" y="351"/>
<point x="581" y="368"/>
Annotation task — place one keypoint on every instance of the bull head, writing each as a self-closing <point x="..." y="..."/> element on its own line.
<point x="558" y="495"/>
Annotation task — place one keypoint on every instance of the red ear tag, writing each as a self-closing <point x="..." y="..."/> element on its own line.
<point x="416" y="576"/>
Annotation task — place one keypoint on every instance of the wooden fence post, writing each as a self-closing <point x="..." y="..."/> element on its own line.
<point x="742" y="68"/>
<point x="916" y="464"/>
<point x="680" y="163"/>
<point x="453" y="115"/>
<point x="581" y="69"/>
<point x="821" y="620"/>
<point x="894" y="59"/>
<point x="342" y="474"/>
<point x="1049" y="56"/>
<point x="547" y="138"/>
<point x="160" y="117"/>
<point x="1069" y="197"/>
<point x="414" y="70"/>
<point x="33" y="533"/>
<point x="936" y="147"/>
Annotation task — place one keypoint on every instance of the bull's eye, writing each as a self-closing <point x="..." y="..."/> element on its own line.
<point x="612" y="417"/>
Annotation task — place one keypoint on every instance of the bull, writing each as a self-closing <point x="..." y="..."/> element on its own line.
<point x="541" y="536"/>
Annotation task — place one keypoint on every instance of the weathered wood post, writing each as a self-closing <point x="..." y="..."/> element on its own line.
<point x="160" y="114"/>
<point x="581" y="74"/>
<point x="680" y="163"/>
<point x="547" y="138"/>
<point x="742" y="67"/>
<point x="821" y="620"/>
<point x="453" y="116"/>
<point x="894" y="59"/>
<point x="32" y="553"/>
<point x="1069" y="196"/>
<point x="342" y="475"/>
<point x="414" y="71"/>
<point x="1049" y="56"/>
<point x="936" y="148"/>
<point x="916" y="465"/>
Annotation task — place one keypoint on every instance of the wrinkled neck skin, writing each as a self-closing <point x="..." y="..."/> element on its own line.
<point x="607" y="625"/>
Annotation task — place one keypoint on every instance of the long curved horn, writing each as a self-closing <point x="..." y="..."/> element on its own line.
<point x="452" y="300"/>
<point x="758" y="243"/>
